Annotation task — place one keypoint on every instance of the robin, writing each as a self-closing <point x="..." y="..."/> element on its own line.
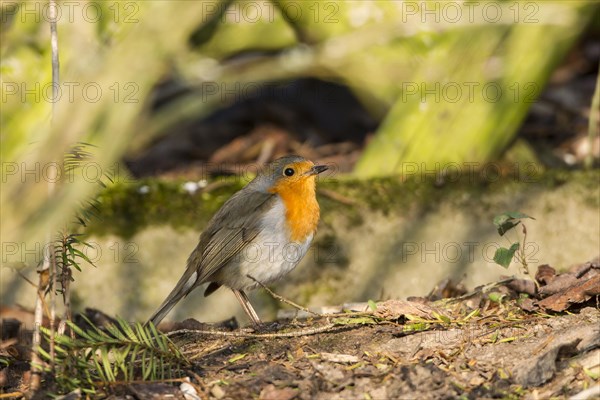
<point x="262" y="231"/>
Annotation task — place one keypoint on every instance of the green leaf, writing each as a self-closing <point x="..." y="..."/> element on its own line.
<point x="44" y="354"/>
<point x="81" y="254"/>
<point x="110" y="376"/>
<point x="508" y="220"/>
<point x="115" y="331"/>
<point x="372" y="305"/>
<point x="99" y="369"/>
<point x="74" y="264"/>
<point x="472" y="314"/>
<point x="143" y="335"/>
<point x="411" y="317"/>
<point x="441" y="318"/>
<point x="114" y="352"/>
<point x="415" y="327"/>
<point x="237" y="357"/>
<point x="504" y="256"/>
<point x="146" y="369"/>
<point x="496" y="297"/>
<point x="594" y="374"/>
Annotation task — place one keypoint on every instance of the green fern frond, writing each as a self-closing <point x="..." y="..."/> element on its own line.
<point x="117" y="353"/>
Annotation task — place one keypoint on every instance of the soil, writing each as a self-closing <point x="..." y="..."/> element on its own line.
<point x="535" y="356"/>
<point x="494" y="342"/>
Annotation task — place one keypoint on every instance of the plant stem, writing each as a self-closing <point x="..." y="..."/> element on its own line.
<point x="594" y="123"/>
<point x="522" y="251"/>
<point x="47" y="272"/>
<point x="36" y="361"/>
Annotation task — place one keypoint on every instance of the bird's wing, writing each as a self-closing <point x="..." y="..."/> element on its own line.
<point x="236" y="224"/>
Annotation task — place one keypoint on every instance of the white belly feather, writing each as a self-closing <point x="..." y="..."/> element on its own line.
<point x="268" y="257"/>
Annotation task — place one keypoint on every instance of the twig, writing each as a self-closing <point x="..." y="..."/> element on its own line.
<point x="594" y="123"/>
<point x="52" y="316"/>
<point x="36" y="362"/>
<point x="55" y="82"/>
<point x="67" y="316"/>
<point x="283" y="299"/>
<point x="11" y="395"/>
<point x="523" y="256"/>
<point x="140" y="382"/>
<point x="330" y="327"/>
<point x="48" y="265"/>
<point x="66" y="293"/>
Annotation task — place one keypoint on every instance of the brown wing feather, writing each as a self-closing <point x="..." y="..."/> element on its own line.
<point x="233" y="228"/>
<point x="229" y="231"/>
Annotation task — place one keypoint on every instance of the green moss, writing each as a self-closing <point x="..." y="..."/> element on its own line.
<point x="126" y="208"/>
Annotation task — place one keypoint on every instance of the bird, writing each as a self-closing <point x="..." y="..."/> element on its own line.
<point x="260" y="234"/>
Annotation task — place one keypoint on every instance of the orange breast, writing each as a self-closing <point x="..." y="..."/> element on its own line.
<point x="302" y="209"/>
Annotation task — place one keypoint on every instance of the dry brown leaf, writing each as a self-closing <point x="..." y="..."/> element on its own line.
<point x="559" y="284"/>
<point x="578" y="293"/>
<point x="523" y="286"/>
<point x="545" y="274"/>
<point x="394" y="309"/>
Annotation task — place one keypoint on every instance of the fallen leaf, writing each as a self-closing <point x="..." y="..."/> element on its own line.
<point x="545" y="274"/>
<point x="527" y="304"/>
<point x="445" y="289"/>
<point x="582" y="269"/>
<point x="523" y="286"/>
<point x="394" y="309"/>
<point x="578" y="293"/>
<point x="339" y="358"/>
<point x="559" y="284"/>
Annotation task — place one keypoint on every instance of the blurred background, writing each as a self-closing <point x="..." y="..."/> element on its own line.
<point x="434" y="117"/>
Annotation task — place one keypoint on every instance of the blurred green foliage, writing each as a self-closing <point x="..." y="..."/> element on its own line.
<point x="404" y="60"/>
<point x="467" y="98"/>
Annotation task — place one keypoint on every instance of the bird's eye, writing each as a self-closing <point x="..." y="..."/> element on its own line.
<point x="288" y="172"/>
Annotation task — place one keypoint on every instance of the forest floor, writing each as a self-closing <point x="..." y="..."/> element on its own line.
<point x="510" y="339"/>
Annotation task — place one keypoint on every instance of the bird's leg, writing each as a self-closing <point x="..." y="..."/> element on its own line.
<point x="245" y="302"/>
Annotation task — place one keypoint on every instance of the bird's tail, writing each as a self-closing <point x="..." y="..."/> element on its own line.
<point x="183" y="287"/>
<point x="163" y="310"/>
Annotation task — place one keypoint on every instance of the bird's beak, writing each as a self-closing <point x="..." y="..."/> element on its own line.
<point x="317" y="169"/>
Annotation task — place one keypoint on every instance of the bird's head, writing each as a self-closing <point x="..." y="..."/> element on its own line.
<point x="290" y="174"/>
